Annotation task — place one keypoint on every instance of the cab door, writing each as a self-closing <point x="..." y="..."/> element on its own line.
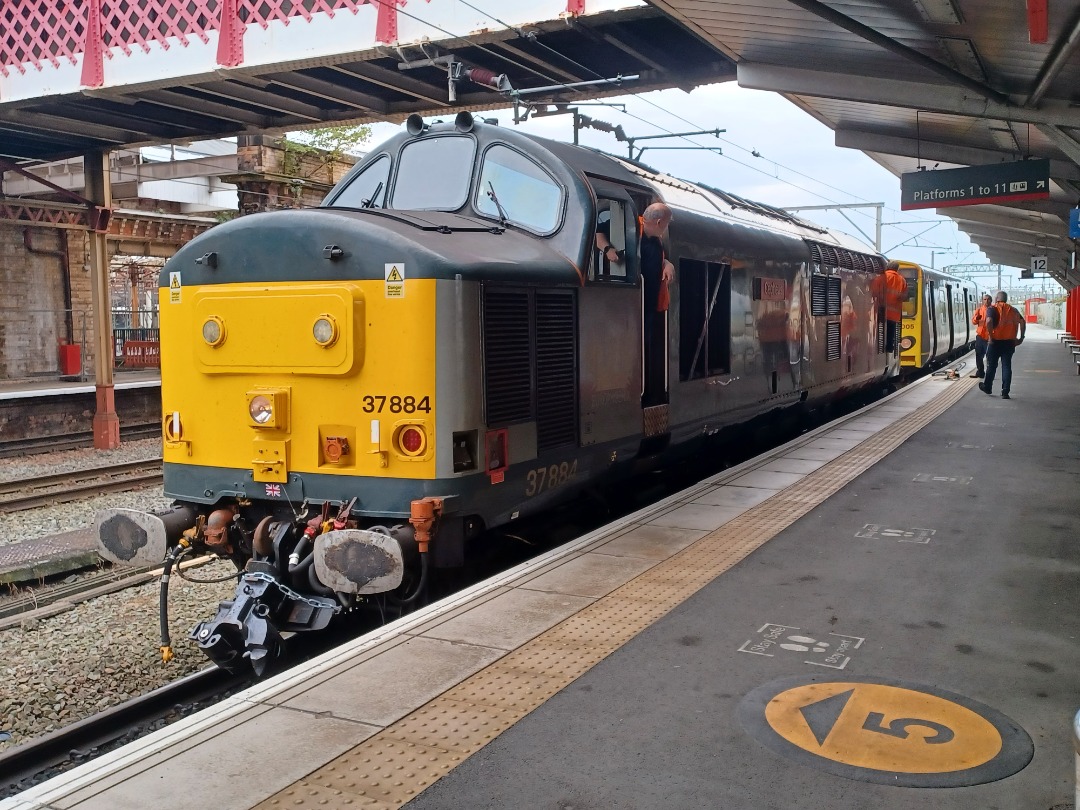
<point x="609" y="324"/>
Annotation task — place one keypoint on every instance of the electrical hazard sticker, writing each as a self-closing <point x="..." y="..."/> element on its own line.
<point x="394" y="274"/>
<point x="174" y="288"/>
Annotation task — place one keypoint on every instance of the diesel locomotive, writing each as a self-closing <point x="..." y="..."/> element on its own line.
<point x="353" y="393"/>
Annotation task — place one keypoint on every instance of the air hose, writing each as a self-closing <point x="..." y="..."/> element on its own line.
<point x="163" y="599"/>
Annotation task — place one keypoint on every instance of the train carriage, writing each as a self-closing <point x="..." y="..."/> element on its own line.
<point x="352" y="393"/>
<point x="937" y="312"/>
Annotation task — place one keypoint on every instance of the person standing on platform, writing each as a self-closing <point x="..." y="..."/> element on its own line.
<point x="981" y="335"/>
<point x="1002" y="322"/>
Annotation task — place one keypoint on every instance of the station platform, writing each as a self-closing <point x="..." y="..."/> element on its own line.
<point x="52" y="387"/>
<point x="877" y="614"/>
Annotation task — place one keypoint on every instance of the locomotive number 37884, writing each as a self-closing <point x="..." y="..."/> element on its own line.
<point x="544" y="478"/>
<point x="380" y="403"/>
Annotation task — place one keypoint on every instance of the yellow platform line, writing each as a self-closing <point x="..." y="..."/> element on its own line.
<point x="393" y="766"/>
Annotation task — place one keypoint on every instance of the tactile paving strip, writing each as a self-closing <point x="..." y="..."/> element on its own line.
<point x="392" y="767"/>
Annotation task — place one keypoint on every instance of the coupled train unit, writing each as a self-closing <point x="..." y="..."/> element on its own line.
<point x="937" y="313"/>
<point x="352" y="393"/>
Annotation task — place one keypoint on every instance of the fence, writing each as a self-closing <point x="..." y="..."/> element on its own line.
<point x="136" y="338"/>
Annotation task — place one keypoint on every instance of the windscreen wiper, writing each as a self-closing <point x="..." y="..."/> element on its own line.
<point x="503" y="219"/>
<point x="370" y="202"/>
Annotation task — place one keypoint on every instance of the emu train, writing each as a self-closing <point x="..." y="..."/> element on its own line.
<point x="937" y="312"/>
<point x="353" y="393"/>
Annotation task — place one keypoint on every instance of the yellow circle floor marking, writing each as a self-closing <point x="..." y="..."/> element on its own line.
<point x="884" y="730"/>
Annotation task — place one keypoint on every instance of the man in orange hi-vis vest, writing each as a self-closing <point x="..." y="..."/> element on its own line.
<point x="981" y="335"/>
<point x="893" y="288"/>
<point x="1002" y="322"/>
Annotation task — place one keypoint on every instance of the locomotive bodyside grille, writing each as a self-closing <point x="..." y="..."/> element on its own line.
<point x="833" y="300"/>
<point x="832" y="340"/>
<point x="818" y="287"/>
<point x="556" y="377"/>
<point x="508" y="375"/>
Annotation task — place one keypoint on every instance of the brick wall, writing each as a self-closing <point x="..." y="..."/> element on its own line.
<point x="33" y="319"/>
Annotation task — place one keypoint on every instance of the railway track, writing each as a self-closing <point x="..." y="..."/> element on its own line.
<point x="65" y="596"/>
<point x="71" y="441"/>
<point x="28" y="493"/>
<point x="45" y="756"/>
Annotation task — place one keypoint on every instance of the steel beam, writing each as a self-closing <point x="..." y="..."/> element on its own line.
<point x="939" y="152"/>
<point x="106" y="422"/>
<point x="898" y="93"/>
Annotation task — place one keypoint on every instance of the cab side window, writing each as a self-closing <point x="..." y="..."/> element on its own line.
<point x="605" y="264"/>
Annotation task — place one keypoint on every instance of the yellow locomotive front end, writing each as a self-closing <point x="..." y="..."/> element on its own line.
<point x="282" y="384"/>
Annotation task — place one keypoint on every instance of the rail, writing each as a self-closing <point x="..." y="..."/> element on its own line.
<point x="32" y="761"/>
<point x="71" y="441"/>
<point x="28" y="493"/>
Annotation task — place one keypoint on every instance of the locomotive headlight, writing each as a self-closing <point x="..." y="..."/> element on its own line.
<point x="325" y="331"/>
<point x="261" y="409"/>
<point x="269" y="408"/>
<point x="213" y="330"/>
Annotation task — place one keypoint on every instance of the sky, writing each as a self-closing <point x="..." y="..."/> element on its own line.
<point x="772" y="152"/>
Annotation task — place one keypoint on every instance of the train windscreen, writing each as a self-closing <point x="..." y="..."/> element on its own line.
<point x="911" y="301"/>
<point x="434" y="173"/>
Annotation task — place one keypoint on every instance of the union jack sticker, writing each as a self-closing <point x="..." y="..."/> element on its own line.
<point x="273" y="490"/>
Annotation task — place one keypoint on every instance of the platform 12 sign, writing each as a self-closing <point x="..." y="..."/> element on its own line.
<point x="975" y="185"/>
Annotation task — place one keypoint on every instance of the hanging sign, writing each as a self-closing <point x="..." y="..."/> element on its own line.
<point x="975" y="185"/>
<point x="1074" y="223"/>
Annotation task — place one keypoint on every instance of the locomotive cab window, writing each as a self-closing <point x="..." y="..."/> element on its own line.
<point x="368" y="188"/>
<point x="605" y="265"/>
<point x="526" y="193"/>
<point x="433" y="173"/>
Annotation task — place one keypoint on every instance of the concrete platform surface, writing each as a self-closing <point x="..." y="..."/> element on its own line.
<point x="952" y="565"/>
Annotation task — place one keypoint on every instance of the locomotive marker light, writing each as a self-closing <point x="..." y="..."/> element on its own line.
<point x="885" y="731"/>
<point x="213" y="331"/>
<point x="325" y="331"/>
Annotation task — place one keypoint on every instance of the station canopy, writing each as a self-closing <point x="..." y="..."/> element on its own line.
<point x="915" y="84"/>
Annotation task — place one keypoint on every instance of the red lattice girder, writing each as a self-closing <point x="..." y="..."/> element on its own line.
<point x="230" y="50"/>
<point x="56" y="215"/>
<point x="33" y="32"/>
<point x="38" y="31"/>
<point x="264" y="12"/>
<point x="93" y="69"/>
<point x="138" y="23"/>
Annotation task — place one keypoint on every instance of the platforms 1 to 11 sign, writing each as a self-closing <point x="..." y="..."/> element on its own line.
<point x="975" y="185"/>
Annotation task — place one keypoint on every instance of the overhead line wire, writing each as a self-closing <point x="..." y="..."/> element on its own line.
<point x="681" y="118"/>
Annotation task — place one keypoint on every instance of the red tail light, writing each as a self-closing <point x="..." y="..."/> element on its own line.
<point x="412" y="440"/>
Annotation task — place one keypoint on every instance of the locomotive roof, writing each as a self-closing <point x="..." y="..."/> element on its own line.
<point x="703" y="199"/>
<point x="714" y="201"/>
